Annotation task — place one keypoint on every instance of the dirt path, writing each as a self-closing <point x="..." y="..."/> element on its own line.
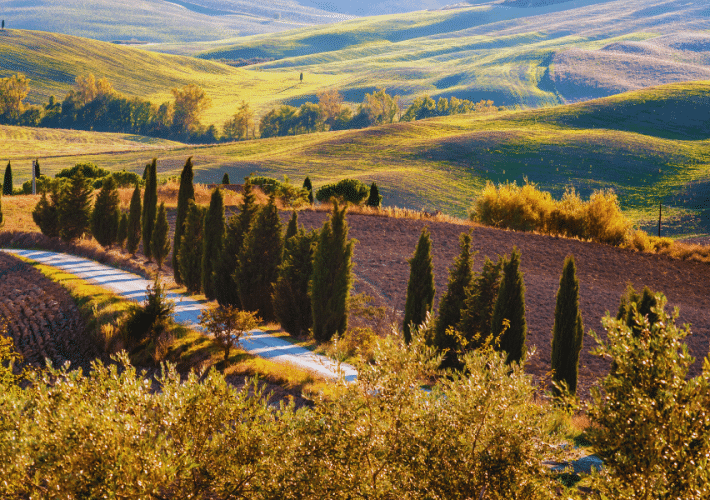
<point x="384" y="245"/>
<point x="187" y="310"/>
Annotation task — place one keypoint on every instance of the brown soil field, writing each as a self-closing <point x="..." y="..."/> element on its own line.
<point x="42" y="317"/>
<point x="382" y="270"/>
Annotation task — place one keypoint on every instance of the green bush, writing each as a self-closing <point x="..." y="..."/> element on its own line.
<point x="285" y="191"/>
<point x="42" y="183"/>
<point x="147" y="322"/>
<point x="350" y="190"/>
<point x="89" y="170"/>
<point x="650" y="420"/>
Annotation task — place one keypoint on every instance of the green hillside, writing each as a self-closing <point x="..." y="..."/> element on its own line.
<point x="442" y="163"/>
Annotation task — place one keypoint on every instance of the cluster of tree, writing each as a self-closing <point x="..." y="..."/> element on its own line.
<point x="426" y="107"/>
<point x="93" y="104"/>
<point x="487" y="310"/>
<point x="351" y="191"/>
<point x="301" y="279"/>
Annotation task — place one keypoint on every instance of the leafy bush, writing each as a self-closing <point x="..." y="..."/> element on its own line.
<point x="148" y="322"/>
<point x="285" y="191"/>
<point x="650" y="421"/>
<point x="89" y="170"/>
<point x="526" y="208"/>
<point x="228" y="325"/>
<point x="42" y="183"/>
<point x="350" y="190"/>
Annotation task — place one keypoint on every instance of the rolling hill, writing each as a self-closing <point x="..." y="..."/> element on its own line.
<point x="650" y="146"/>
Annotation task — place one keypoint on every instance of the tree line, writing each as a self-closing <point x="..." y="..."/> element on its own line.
<point x="93" y="104"/>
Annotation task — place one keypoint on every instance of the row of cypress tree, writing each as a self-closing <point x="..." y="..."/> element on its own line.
<point x="302" y="278"/>
<point x="488" y="309"/>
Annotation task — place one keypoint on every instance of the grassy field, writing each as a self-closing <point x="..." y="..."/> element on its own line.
<point x="651" y="146"/>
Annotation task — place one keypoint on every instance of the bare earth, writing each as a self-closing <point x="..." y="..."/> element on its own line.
<point x="382" y="270"/>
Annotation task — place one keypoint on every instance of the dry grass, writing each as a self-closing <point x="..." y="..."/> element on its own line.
<point x="17" y="211"/>
<point x="395" y="213"/>
<point x="168" y="193"/>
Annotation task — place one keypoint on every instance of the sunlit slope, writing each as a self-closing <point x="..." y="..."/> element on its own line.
<point x="161" y="21"/>
<point x="443" y="163"/>
<point x="53" y="62"/>
<point x="512" y="55"/>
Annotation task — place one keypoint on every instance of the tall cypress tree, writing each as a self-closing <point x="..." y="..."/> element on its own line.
<point x="225" y="178"/>
<point x="331" y="278"/>
<point x="510" y="305"/>
<point x="74" y="210"/>
<point x="477" y="313"/>
<point x="46" y="213"/>
<point x="122" y="233"/>
<point x="568" y="330"/>
<point x="2" y="219"/>
<point x="212" y="243"/>
<point x="452" y="303"/>
<point x="375" y="198"/>
<point x="291" y="298"/>
<point x="259" y="262"/>
<point x="133" y="237"/>
<point x="106" y="214"/>
<point x="190" y="256"/>
<point x="161" y="239"/>
<point x="186" y="193"/>
<point x="308" y="186"/>
<point x="37" y="171"/>
<point x="292" y="227"/>
<point x="237" y="227"/>
<point x="150" y="207"/>
<point x="7" y="181"/>
<point x="420" y="289"/>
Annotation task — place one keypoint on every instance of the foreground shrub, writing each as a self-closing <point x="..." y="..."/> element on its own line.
<point x="650" y="421"/>
<point x="150" y="321"/>
<point x="526" y="208"/>
<point x="228" y="325"/>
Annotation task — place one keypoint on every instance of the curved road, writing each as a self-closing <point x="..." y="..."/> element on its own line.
<point x="187" y="310"/>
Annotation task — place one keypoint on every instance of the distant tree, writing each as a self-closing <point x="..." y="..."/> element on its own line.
<point x="122" y="233"/>
<point x="7" y="181"/>
<point x="301" y="77"/>
<point x="46" y="213"/>
<point x="259" y="261"/>
<point x="375" y="198"/>
<point x="2" y="220"/>
<point x="150" y="206"/>
<point x="213" y="232"/>
<point x="510" y="306"/>
<point x="74" y="210"/>
<point x="331" y="278"/>
<point x="331" y="106"/>
<point x="381" y="107"/>
<point x="237" y="127"/>
<point x="133" y="238"/>
<point x="308" y="187"/>
<point x="106" y="214"/>
<point x="568" y="330"/>
<point x="420" y="289"/>
<point x="228" y="325"/>
<point x="291" y="299"/>
<point x="309" y="118"/>
<point x="349" y="190"/>
<point x="477" y="313"/>
<point x="190" y="102"/>
<point x="190" y="255"/>
<point x="225" y="178"/>
<point x="185" y="194"/>
<point x="13" y="90"/>
<point x="37" y="172"/>
<point x="3" y="24"/>
<point x="279" y="122"/>
<point x="452" y="303"/>
<point x="235" y="231"/>
<point x="160" y="241"/>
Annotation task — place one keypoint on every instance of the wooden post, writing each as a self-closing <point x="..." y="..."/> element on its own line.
<point x="659" y="219"/>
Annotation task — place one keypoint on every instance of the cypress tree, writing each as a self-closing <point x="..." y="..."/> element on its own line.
<point x="122" y="233"/>
<point x="190" y="256"/>
<point x="308" y="187"/>
<point x="2" y="219"/>
<point x="161" y="239"/>
<point x="7" y="181"/>
<point x="225" y="178"/>
<point x="237" y="227"/>
<point x="74" y="210"/>
<point x="186" y="193"/>
<point x="133" y="237"/>
<point x="375" y="198"/>
<point x="420" y="289"/>
<point x="46" y="213"/>
<point x="105" y="217"/>
<point x="259" y="261"/>
<point x="150" y="207"/>
<point x="644" y="302"/>
<point x="510" y="305"/>
<point x="477" y="313"/>
<point x="37" y="171"/>
<point x="291" y="299"/>
<point x="452" y="303"/>
<point x="568" y="330"/>
<point x="331" y="278"/>
<point x="292" y="227"/>
<point x="212" y="243"/>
